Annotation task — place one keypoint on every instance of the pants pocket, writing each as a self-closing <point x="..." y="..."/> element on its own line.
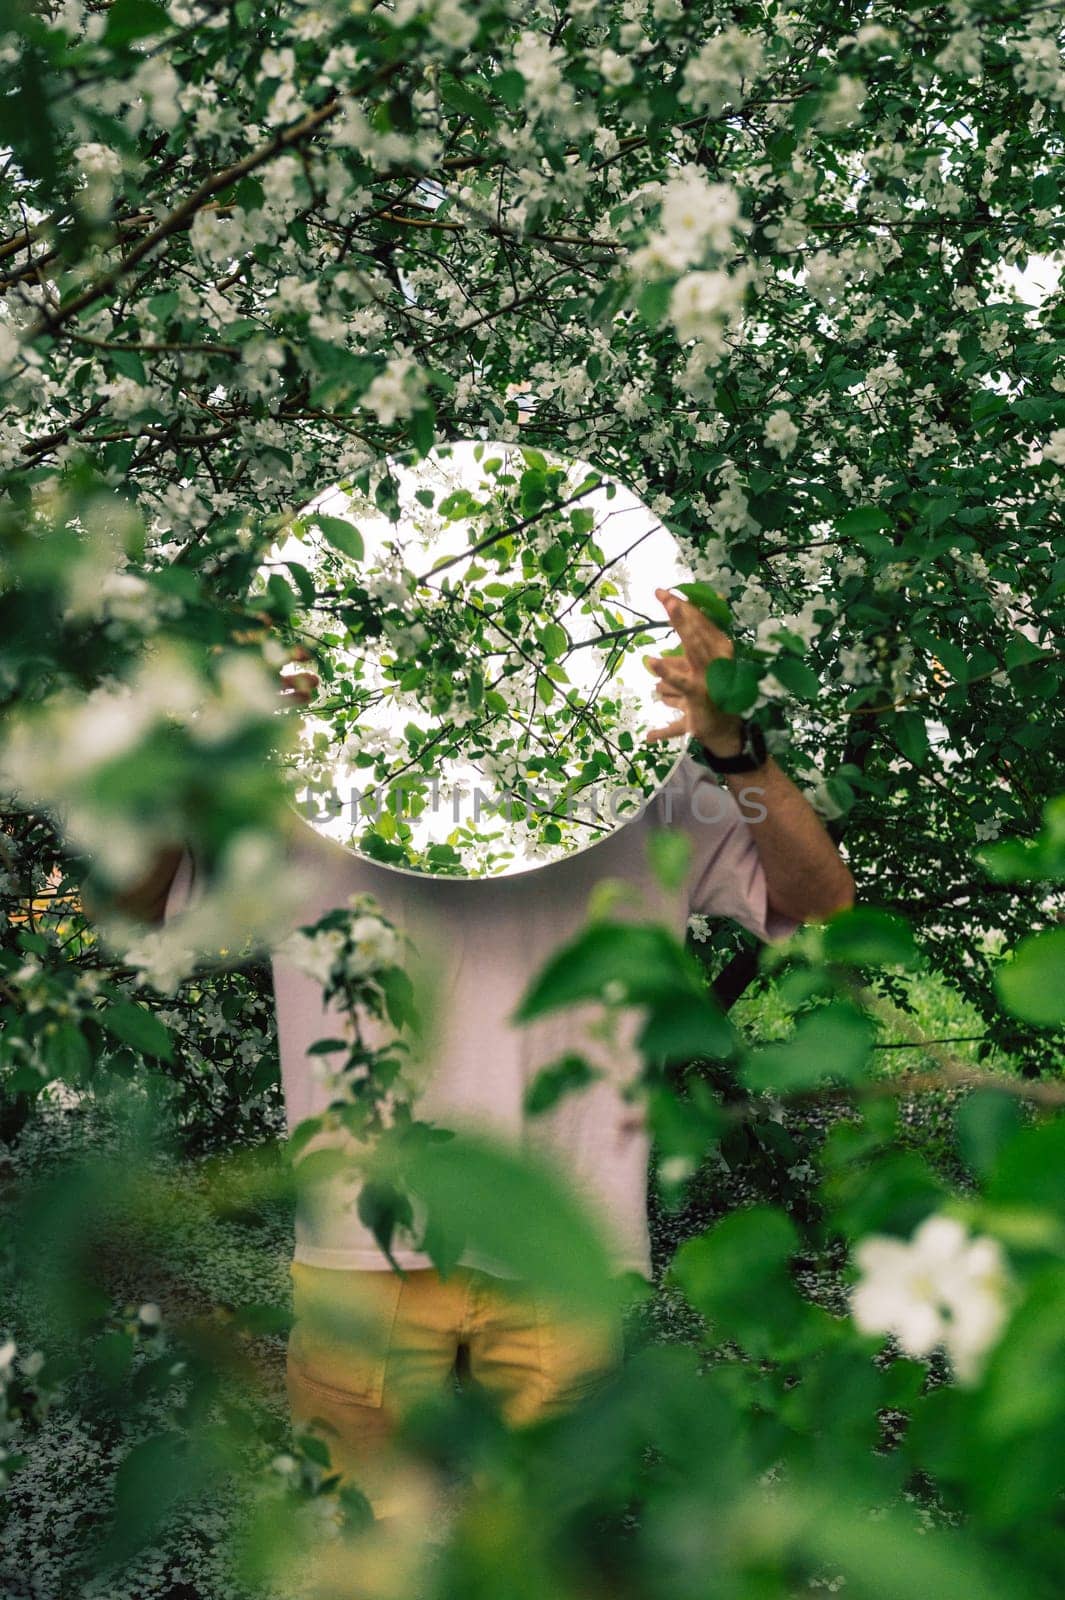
<point x="342" y="1331"/>
<point x="577" y="1355"/>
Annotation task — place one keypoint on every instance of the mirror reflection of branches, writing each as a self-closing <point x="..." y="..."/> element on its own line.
<point x="477" y="621"/>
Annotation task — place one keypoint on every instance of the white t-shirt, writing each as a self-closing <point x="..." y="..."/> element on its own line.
<point x="484" y="940"/>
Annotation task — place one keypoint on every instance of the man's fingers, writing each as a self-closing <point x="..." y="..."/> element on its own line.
<point x="685" y="617"/>
<point x="673" y="731"/>
<point x="299" y="687"/>
<point x="697" y="633"/>
<point x="674" y="671"/>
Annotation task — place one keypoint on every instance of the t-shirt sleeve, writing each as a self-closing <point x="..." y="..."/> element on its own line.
<point x="726" y="877"/>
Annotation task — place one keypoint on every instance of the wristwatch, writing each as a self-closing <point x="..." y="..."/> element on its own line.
<point x="752" y="753"/>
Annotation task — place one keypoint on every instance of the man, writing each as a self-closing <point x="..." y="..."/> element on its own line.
<point x="490" y="936"/>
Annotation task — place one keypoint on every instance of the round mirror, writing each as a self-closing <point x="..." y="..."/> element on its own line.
<point x="478" y="620"/>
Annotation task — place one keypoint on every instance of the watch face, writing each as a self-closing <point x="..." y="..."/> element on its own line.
<point x="477" y="620"/>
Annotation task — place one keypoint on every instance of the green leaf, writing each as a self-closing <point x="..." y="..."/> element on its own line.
<point x="343" y="536"/>
<point x="154" y="1478"/>
<point x="669" y="853"/>
<point x="688" y="1127"/>
<point x="737" y="1275"/>
<point x="1014" y="860"/>
<point x="1032" y="983"/>
<point x="833" y="1042"/>
<point x="554" y="640"/>
<point x="565" y="1076"/>
<point x="422" y="429"/>
<point x="162" y="306"/>
<point x="25" y="122"/>
<point x="687" y="1028"/>
<point x="955" y="660"/>
<point x="652" y="301"/>
<point x="911" y="735"/>
<point x="112" y="1356"/>
<point x="890" y="1557"/>
<point x="806" y="109"/>
<point x="303" y="581"/>
<point x="986" y="1121"/>
<point x="867" y="936"/>
<point x="986" y="404"/>
<point x="139" y="1028"/>
<point x="642" y="962"/>
<point x="463" y="99"/>
<point x="67" y="1053"/>
<point x="398" y="992"/>
<point x="383" y="1208"/>
<point x="1021" y="652"/>
<point x="801" y="680"/>
<point x="1045" y="191"/>
<point x="732" y="684"/>
<point x="1029" y="1173"/>
<point x="709" y="602"/>
<point x="510" y="87"/>
<point x="862" y="520"/>
<point x="130" y="365"/>
<point x="128" y="20"/>
<point x="516" y="1210"/>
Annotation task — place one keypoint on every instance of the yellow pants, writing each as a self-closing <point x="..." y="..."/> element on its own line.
<point x="366" y="1345"/>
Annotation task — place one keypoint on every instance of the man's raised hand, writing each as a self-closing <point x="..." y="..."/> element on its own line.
<point x="682" y="679"/>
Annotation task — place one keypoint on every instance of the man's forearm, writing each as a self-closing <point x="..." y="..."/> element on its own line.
<point x="805" y="876"/>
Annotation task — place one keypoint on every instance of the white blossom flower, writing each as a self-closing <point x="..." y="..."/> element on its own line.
<point x="697" y="215"/>
<point x="1038" y="68"/>
<point x="98" y="161"/>
<point x="451" y="25"/>
<point x="1054" y="449"/>
<point x="101" y="168"/>
<point x="781" y="432"/>
<point x="856" y="663"/>
<point x="315" y="954"/>
<point x="394" y="393"/>
<point x="701" y="302"/>
<point x="9" y="348"/>
<point x="615" y="69"/>
<point x="214" y="237"/>
<point x="676" y="1169"/>
<point x="842" y="105"/>
<point x="159" y="959"/>
<point x="720" y="73"/>
<point x="376" y="945"/>
<point x="850" y="478"/>
<point x="940" y="1288"/>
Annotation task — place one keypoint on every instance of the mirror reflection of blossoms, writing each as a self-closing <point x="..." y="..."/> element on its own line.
<point x="477" y="621"/>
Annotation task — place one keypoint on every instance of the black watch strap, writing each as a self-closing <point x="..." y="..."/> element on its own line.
<point x="752" y="755"/>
